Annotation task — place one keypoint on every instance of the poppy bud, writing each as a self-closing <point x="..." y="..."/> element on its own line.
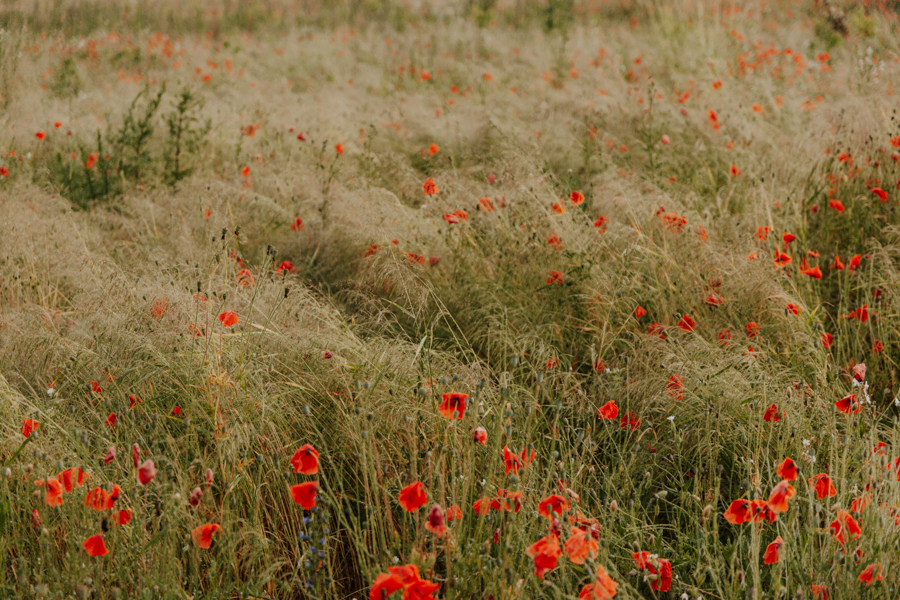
<point x="613" y="506"/>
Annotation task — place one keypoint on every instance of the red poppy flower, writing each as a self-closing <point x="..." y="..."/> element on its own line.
<point x="687" y="323"/>
<point x="639" y="312"/>
<point x="814" y="272"/>
<point x="454" y="513"/>
<point x="554" y="277"/>
<point x="430" y="187"/>
<point x="304" y="494"/>
<point x="480" y="435"/>
<point x="772" y="414"/>
<point x="203" y="534"/>
<point x="555" y="241"/>
<point x="228" y="318"/>
<point x="882" y="195"/>
<point x="580" y="545"/>
<point x="608" y="411"/>
<point x="486" y="204"/>
<point x="298" y="224"/>
<point x="646" y="561"/>
<point x="738" y="512"/>
<point x="453" y="405"/>
<point x="451" y="219"/>
<point x="827" y="340"/>
<point x="577" y="198"/>
<point x="792" y="308"/>
<point x="598" y="365"/>
<point x="781" y="259"/>
<point x="435" y="522"/>
<point x="433" y="149"/>
<point x="96" y="499"/>
<point x="544" y="553"/>
<point x="305" y="460"/>
<point x="40" y="135"/>
<point x="558" y="207"/>
<point x="848" y="405"/>
<point x="870" y="574"/>
<point x="146" y="472"/>
<point x="29" y="426"/>
<point x="788" y="238"/>
<point x="600" y="224"/>
<point x="384" y="585"/>
<point x="245" y="172"/>
<point x="762" y="233"/>
<point x="657" y="330"/>
<point x="55" y="489"/>
<point x="854" y="262"/>
<point x="286" y="266"/>
<point x="877" y="347"/>
<point x="823" y="486"/>
<point x="844" y="524"/>
<point x="859" y="371"/>
<point x="603" y="588"/>
<point x="675" y="387"/>
<point x="819" y="592"/>
<point x="630" y="421"/>
<point x="787" y="469"/>
<point x="4" y="171"/>
<point x="95" y="546"/>
<point x="781" y="493"/>
<point x="413" y="497"/>
<point x="552" y="504"/>
<point x="111" y="420"/>
<point x="752" y="329"/>
<point x="770" y="556"/>
<point x="482" y="506"/>
<point x="836" y="205"/>
<point x="837" y="263"/>
<point x="724" y="337"/>
<point x="339" y="148"/>
<point x="123" y="516"/>
<point x="760" y="511"/>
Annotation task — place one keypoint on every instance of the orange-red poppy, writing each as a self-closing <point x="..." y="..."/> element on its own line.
<point x="848" y="405"/>
<point x="305" y="460"/>
<point x="576" y="198"/>
<point x="649" y="562"/>
<point x="480" y="435"/>
<point x="545" y="552"/>
<point x="603" y="588"/>
<point x="203" y="534"/>
<point x="29" y="426"/>
<point x="552" y="504"/>
<point x="639" y="312"/>
<point x="787" y="469"/>
<point x="123" y="516"/>
<point x="430" y="187"/>
<point x="608" y="411"/>
<point x="95" y="546"/>
<point x="778" y="499"/>
<point x="772" y="415"/>
<point x="823" y="486"/>
<point x="228" y="318"/>
<point x="304" y="494"/>
<point x="600" y="224"/>
<point x="770" y="556"/>
<point x="55" y="489"/>
<point x="453" y="406"/>
<point x="580" y="545"/>
<point x="827" y="340"/>
<point x="882" y="195"/>
<point x="870" y="574"/>
<point x="413" y="497"/>
<point x="687" y="323"/>
<point x="738" y="512"/>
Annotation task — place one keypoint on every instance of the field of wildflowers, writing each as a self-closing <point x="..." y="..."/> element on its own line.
<point x="488" y="299"/>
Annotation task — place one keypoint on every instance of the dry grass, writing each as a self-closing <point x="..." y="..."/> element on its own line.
<point x="389" y="305"/>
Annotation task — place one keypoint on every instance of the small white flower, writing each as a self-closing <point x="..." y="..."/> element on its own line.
<point x="51" y="391"/>
<point x="671" y="418"/>
<point x="896" y="401"/>
<point x="806" y="443"/>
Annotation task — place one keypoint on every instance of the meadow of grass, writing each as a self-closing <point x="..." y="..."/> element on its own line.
<point x="495" y="300"/>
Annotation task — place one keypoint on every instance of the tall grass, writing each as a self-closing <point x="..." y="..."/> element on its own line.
<point x="617" y="166"/>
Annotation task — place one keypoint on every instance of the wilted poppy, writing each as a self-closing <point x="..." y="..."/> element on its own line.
<point x="435" y="522"/>
<point x="650" y="562"/>
<point x="55" y="489"/>
<point x="770" y="556"/>
<point x="146" y="472"/>
<point x="480" y="435"/>
<point x="305" y="460"/>
<point x="603" y="588"/>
